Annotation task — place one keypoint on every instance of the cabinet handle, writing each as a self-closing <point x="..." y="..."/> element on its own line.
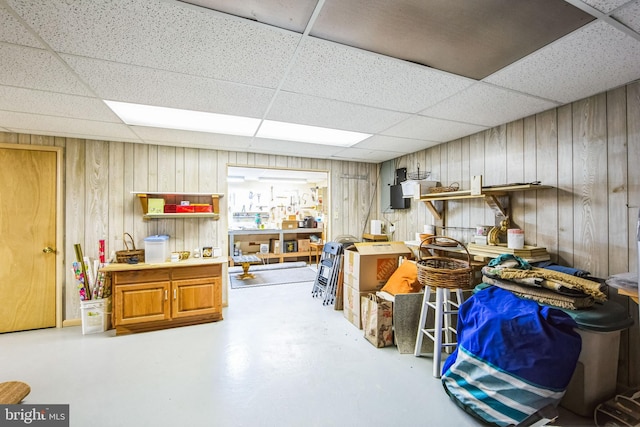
<point x="166" y="296"/>
<point x="175" y="293"/>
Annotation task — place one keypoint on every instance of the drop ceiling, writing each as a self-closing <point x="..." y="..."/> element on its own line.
<point x="413" y="73"/>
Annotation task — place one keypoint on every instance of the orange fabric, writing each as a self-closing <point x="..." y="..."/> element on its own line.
<point x="404" y="280"/>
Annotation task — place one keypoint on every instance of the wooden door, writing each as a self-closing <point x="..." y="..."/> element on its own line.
<point x="28" y="238"/>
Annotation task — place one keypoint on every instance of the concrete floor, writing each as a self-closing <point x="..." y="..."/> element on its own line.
<point x="279" y="358"/>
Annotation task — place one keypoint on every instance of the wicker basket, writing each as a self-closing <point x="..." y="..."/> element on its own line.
<point x="129" y="256"/>
<point x="444" y="272"/>
<point x="453" y="187"/>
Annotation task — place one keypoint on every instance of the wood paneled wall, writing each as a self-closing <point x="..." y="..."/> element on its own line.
<point x="100" y="176"/>
<point x="589" y="151"/>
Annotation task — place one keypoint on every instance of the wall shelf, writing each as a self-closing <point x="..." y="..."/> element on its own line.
<point x="144" y="196"/>
<point x="489" y="194"/>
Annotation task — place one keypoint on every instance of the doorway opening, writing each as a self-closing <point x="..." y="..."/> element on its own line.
<point x="260" y="197"/>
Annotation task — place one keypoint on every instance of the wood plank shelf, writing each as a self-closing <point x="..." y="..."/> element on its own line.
<point x="489" y="194"/>
<point x="144" y="196"/>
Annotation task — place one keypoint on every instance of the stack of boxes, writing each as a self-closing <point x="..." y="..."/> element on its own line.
<point x="367" y="267"/>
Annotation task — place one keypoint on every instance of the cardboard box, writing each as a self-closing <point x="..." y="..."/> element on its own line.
<point x="288" y="225"/>
<point x="368" y="265"/>
<point x="202" y="208"/>
<point x="252" y="246"/>
<point x="170" y="208"/>
<point x="274" y="246"/>
<point x="155" y="206"/>
<point x="304" y="245"/>
<point x="290" y="246"/>
<point x="351" y="305"/>
<point x="185" y="209"/>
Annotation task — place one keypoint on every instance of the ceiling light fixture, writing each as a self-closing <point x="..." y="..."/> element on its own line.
<point x="200" y="121"/>
<point x="282" y="180"/>
<point x="174" y="118"/>
<point x="312" y="134"/>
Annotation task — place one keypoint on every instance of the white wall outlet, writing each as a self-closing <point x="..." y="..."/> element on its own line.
<point x="392" y="227"/>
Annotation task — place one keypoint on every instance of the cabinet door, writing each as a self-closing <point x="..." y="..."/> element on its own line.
<point x="194" y="297"/>
<point x="145" y="302"/>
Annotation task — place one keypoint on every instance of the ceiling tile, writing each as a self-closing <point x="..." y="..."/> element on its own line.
<point x="590" y="60"/>
<point x="55" y="104"/>
<point x="12" y="31"/>
<point x="38" y="69"/>
<point x="629" y="16"/>
<point x="130" y="83"/>
<point x="605" y="6"/>
<point x="464" y="37"/>
<point x="64" y="126"/>
<point x="315" y="111"/>
<point x="343" y="73"/>
<point x="183" y="138"/>
<point x="165" y="35"/>
<point x="288" y="14"/>
<point x="486" y="105"/>
<point x="434" y="129"/>
<point x="399" y="145"/>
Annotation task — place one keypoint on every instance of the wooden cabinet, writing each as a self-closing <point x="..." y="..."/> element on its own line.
<point x="212" y="199"/>
<point x="163" y="296"/>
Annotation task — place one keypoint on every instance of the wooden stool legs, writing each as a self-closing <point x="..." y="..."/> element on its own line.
<point x="443" y="326"/>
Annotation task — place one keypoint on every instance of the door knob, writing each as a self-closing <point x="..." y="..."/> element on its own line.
<point x="48" y="250"/>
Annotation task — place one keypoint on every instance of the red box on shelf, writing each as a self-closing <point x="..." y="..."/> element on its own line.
<point x="170" y="208"/>
<point x="202" y="208"/>
<point x="185" y="209"/>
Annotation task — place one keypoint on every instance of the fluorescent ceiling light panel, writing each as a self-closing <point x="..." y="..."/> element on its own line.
<point x="282" y="180"/>
<point x="312" y="134"/>
<point x="174" y="118"/>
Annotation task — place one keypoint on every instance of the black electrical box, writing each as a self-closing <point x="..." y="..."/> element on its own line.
<point x="397" y="198"/>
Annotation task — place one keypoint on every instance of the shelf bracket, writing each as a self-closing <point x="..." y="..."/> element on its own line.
<point x="495" y="205"/>
<point x="215" y="203"/>
<point x="437" y="213"/>
<point x="144" y="202"/>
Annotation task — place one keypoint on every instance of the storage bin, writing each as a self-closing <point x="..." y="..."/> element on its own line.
<point x="594" y="380"/>
<point x="94" y="316"/>
<point x="156" y="249"/>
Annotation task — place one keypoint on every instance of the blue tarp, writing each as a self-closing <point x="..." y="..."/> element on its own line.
<point x="513" y="357"/>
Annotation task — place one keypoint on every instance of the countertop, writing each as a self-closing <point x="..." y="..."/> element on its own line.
<point x="275" y="230"/>
<point x="189" y="262"/>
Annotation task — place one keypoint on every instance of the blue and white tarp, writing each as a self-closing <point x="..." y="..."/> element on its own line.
<point x="513" y="358"/>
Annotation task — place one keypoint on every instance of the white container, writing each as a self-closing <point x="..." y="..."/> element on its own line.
<point x="376" y="226"/>
<point x="515" y="238"/>
<point x="156" y="249"/>
<point x="94" y="316"/>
